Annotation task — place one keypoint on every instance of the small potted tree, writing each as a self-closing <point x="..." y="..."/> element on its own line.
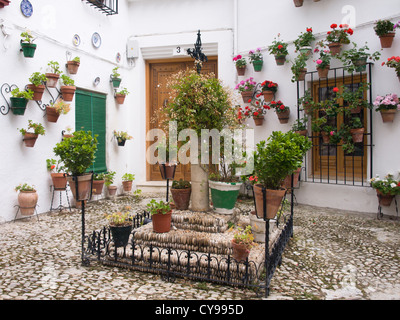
<point x="181" y="191"/>
<point x="27" y="199"/>
<point x="53" y="111"/>
<point x="386" y="32"/>
<point x="127" y="180"/>
<point x="19" y="100"/>
<point x="120" y="95"/>
<point x="108" y="181"/>
<point x="31" y="137"/>
<point x="115" y="77"/>
<point x="67" y="88"/>
<point x="27" y="46"/>
<point x="73" y="65"/>
<point x="242" y="242"/>
<point x="120" y="224"/>
<point x="57" y="172"/>
<point x="160" y="215"/>
<point x="78" y="153"/>
<point x="54" y="74"/>
<point x="281" y="155"/>
<point x="36" y="85"/>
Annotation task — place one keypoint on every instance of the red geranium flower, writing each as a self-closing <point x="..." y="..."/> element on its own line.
<point x="335" y="89"/>
<point x="333" y="25"/>
<point x="255" y="114"/>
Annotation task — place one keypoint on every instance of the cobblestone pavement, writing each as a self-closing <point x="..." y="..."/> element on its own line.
<point x="332" y="255"/>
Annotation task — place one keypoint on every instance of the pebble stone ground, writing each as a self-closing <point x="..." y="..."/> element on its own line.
<point x="333" y="255"/>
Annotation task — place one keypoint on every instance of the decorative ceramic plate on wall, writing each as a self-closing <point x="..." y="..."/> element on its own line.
<point x="26" y="8"/>
<point x="76" y="40"/>
<point x="96" y="40"/>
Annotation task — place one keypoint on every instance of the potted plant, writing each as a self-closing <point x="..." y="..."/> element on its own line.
<point x="120" y="95"/>
<point x="29" y="136"/>
<point x="246" y="88"/>
<point x="386" y="31"/>
<point x="356" y="129"/>
<point x="54" y="74"/>
<point x="282" y="111"/>
<point x="166" y="165"/>
<point x="181" y="191"/>
<point x="108" y="181"/>
<point x="19" y="100"/>
<point x="279" y="50"/>
<point x="127" y="180"/>
<point x="36" y="85"/>
<point x="307" y="102"/>
<point x="54" y="110"/>
<point x="115" y="77"/>
<point x="299" y="67"/>
<point x="67" y="88"/>
<point x="58" y="176"/>
<point x="121" y="224"/>
<point x="355" y="59"/>
<point x="121" y="137"/>
<point x="269" y="89"/>
<point x="337" y="37"/>
<point x="27" y="46"/>
<point x="68" y="133"/>
<point x="256" y="59"/>
<point x="393" y="62"/>
<point x="240" y="63"/>
<point x="298" y="3"/>
<point x="386" y="188"/>
<point x="354" y="99"/>
<point x="324" y="61"/>
<point x="304" y="41"/>
<point x="78" y="153"/>
<point x="160" y="215"/>
<point x="73" y="65"/>
<point x="300" y="126"/>
<point x="27" y="199"/>
<point x="273" y="160"/>
<point x="387" y="105"/>
<point x="98" y="183"/>
<point x="242" y="242"/>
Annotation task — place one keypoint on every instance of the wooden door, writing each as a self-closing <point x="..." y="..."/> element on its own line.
<point x="158" y="73"/>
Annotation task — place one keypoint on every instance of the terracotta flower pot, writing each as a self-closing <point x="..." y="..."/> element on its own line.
<point x="273" y="198"/>
<point x="68" y="92"/>
<point x="97" y="187"/>
<point x="302" y="132"/>
<point x="387" y="40"/>
<point x="287" y="183"/>
<point x="335" y="48"/>
<point x="325" y="137"/>
<point x="240" y="251"/>
<point x="169" y="172"/>
<point x="30" y="139"/>
<point x="52" y="79"/>
<point x="241" y="70"/>
<point x="37" y="91"/>
<point x="112" y="190"/>
<point x="181" y="198"/>
<point x="385" y="200"/>
<point x="283" y="116"/>
<point x="259" y="120"/>
<point x="298" y="3"/>
<point x="268" y="95"/>
<point x="280" y="60"/>
<point x="357" y="134"/>
<point x="27" y="201"/>
<point x="323" y="72"/>
<point x="247" y="95"/>
<point x="52" y="114"/>
<point x="388" y="115"/>
<point x="72" y="67"/>
<point x="302" y="75"/>
<point x="120" y="98"/>
<point x="127" y="185"/>
<point x="59" y="180"/>
<point x="84" y="186"/>
<point x="161" y="222"/>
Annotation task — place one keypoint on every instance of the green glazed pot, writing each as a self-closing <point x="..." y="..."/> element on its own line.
<point x="28" y="49"/>
<point x="18" y="105"/>
<point x="224" y="195"/>
<point x="258" y="64"/>
<point x="116" y="82"/>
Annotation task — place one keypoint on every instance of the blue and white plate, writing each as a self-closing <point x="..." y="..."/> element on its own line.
<point x="26" y="8"/>
<point x="96" y="40"/>
<point x="76" y="40"/>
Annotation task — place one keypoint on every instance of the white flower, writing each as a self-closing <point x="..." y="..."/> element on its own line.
<point x="393" y="185"/>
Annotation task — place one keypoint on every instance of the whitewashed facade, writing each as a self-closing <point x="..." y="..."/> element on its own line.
<point x="228" y="28"/>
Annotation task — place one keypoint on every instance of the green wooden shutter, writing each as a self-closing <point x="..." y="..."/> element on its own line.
<point x="90" y="115"/>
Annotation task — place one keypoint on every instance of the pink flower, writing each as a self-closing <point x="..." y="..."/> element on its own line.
<point x="332" y="133"/>
<point x="319" y="61"/>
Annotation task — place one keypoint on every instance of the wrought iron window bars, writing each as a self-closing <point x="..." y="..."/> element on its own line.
<point x="109" y="7"/>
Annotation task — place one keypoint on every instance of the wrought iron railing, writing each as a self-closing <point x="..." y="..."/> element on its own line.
<point x="109" y="7"/>
<point x="329" y="162"/>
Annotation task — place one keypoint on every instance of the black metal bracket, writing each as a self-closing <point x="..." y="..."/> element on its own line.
<point x="6" y="88"/>
<point x="42" y="105"/>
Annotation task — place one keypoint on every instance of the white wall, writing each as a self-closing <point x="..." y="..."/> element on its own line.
<point x="158" y="24"/>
